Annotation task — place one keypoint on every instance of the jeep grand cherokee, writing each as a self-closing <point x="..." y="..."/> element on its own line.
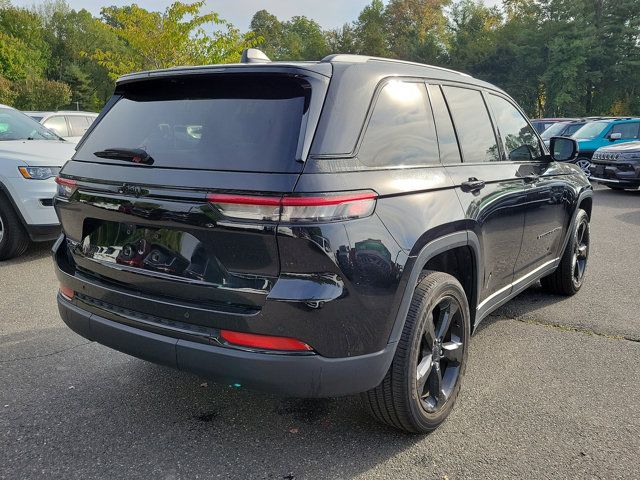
<point x="314" y="228"/>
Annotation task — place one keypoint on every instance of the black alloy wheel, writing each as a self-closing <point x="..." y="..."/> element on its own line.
<point x="441" y="352"/>
<point x="423" y="381"/>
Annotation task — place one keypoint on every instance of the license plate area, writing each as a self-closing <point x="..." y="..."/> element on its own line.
<point x="156" y="250"/>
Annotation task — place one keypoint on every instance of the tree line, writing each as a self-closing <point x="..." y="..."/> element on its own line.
<point x="556" y="57"/>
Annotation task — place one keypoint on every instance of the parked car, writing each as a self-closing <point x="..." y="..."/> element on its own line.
<point x="30" y="158"/>
<point x="602" y="133"/>
<point x="617" y="166"/>
<point x="68" y="125"/>
<point x="541" y="124"/>
<point x="566" y="129"/>
<point x="332" y="227"/>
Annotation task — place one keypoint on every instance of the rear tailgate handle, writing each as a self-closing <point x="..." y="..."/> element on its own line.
<point x="472" y="185"/>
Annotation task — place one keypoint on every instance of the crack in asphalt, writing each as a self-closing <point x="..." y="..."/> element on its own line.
<point x="569" y="328"/>
<point x="19" y="359"/>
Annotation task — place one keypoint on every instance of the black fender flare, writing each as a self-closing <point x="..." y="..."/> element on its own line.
<point x="465" y="238"/>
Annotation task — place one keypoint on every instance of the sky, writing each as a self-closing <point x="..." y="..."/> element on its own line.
<point x="328" y="13"/>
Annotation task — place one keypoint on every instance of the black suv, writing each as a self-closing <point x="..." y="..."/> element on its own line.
<point x="315" y="228"/>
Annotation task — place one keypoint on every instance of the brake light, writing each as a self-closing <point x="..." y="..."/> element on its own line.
<point x="264" y="341"/>
<point x="289" y="208"/>
<point x="66" y="187"/>
<point x="66" y="292"/>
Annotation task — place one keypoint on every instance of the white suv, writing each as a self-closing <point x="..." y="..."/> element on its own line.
<point x="30" y="158"/>
<point x="67" y="124"/>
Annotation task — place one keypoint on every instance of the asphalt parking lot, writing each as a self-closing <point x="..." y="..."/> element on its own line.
<point x="552" y="391"/>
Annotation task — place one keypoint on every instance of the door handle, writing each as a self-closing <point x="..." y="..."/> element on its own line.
<point x="533" y="178"/>
<point x="472" y="185"/>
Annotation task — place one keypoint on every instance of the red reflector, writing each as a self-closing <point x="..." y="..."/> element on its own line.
<point x="264" y="341"/>
<point x="66" y="182"/>
<point x="242" y="199"/>
<point x="326" y="200"/>
<point x="67" y="292"/>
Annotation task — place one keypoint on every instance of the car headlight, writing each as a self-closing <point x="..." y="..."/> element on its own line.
<point x="39" y="173"/>
<point x="630" y="156"/>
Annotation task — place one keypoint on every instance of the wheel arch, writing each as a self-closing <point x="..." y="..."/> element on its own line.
<point x="438" y="252"/>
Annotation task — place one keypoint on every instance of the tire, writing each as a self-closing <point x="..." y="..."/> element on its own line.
<point x="13" y="238"/>
<point x="399" y="401"/>
<point x="569" y="276"/>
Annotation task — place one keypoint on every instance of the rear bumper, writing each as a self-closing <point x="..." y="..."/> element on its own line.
<point x="288" y="374"/>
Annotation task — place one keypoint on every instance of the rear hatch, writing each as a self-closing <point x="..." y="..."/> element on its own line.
<point x="142" y="203"/>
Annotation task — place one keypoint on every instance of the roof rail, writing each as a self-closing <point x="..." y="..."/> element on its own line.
<point x="349" y="58"/>
<point x="254" y="55"/>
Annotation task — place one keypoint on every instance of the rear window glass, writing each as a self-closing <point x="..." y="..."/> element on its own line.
<point x="225" y="122"/>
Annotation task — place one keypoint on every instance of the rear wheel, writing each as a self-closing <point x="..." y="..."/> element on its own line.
<point x="423" y="381"/>
<point x="569" y="276"/>
<point x="13" y="239"/>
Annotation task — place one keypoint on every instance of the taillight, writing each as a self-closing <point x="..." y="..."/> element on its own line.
<point x="265" y="342"/>
<point x="300" y="208"/>
<point x="66" y="187"/>
<point x="66" y="292"/>
<point x="246" y="207"/>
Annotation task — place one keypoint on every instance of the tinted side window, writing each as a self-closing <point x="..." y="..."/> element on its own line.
<point x="449" y="151"/>
<point x="473" y="125"/>
<point x="519" y="139"/>
<point x="401" y="129"/>
<point x="78" y="125"/>
<point x="58" y="124"/>
<point x="628" y="130"/>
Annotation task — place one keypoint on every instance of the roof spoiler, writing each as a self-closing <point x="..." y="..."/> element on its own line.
<point x="253" y="55"/>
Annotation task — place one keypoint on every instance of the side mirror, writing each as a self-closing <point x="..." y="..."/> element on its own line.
<point x="615" y="136"/>
<point x="563" y="149"/>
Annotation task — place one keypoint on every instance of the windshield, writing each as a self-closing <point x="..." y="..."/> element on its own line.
<point x="231" y="122"/>
<point x="590" y="130"/>
<point x="554" y="130"/>
<point x="15" y="125"/>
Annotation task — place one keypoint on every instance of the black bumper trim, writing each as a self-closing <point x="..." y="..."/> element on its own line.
<point x="291" y="375"/>
<point x="43" y="233"/>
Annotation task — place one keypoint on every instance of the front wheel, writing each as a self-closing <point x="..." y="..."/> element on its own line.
<point x="569" y="276"/>
<point x="584" y="164"/>
<point x="13" y="239"/>
<point x="423" y="382"/>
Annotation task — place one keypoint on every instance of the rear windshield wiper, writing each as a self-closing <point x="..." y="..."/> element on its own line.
<point x="135" y="155"/>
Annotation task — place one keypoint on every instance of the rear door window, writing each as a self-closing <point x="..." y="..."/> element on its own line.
<point x="473" y="125"/>
<point x="628" y="130"/>
<point x="401" y="131"/>
<point x="58" y="124"/>
<point x="449" y="151"/>
<point x="518" y="137"/>
<point x="78" y="125"/>
<point x="225" y="122"/>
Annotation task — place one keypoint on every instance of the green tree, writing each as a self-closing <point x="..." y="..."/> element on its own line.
<point x="268" y="31"/>
<point x="371" y="30"/>
<point x="35" y="93"/>
<point x="182" y="35"/>
<point x="417" y="29"/>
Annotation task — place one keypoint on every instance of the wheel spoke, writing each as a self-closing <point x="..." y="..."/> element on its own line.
<point x="452" y="351"/>
<point x="447" y="312"/>
<point x="435" y="385"/>
<point x="582" y="251"/>
<point x="429" y="331"/>
<point x="423" y="372"/>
